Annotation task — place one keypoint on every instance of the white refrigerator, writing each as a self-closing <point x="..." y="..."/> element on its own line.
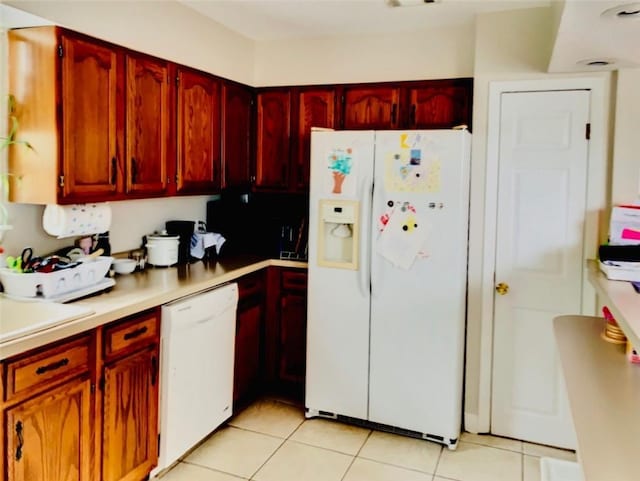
<point x="388" y="236"/>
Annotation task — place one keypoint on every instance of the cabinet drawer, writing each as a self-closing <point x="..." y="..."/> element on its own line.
<point x="45" y="367"/>
<point x="294" y="280"/>
<point x="131" y="334"/>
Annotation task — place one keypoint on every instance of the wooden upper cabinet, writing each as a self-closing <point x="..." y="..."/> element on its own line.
<point x="147" y="124"/>
<point x="199" y="161"/>
<point x="237" y="105"/>
<point x="371" y="107"/>
<point x="89" y="100"/>
<point x="439" y="107"/>
<point x="273" y="131"/>
<point x="316" y="108"/>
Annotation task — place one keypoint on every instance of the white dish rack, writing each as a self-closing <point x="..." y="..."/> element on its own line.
<point x="60" y="285"/>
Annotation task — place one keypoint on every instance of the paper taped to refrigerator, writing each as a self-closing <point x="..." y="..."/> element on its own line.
<point x="403" y="236"/>
<point x="413" y="166"/>
<point x="341" y="177"/>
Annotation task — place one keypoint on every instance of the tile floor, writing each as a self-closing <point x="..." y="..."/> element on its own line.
<point x="272" y="441"/>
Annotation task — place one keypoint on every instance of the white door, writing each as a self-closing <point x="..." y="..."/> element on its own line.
<point x="539" y="258"/>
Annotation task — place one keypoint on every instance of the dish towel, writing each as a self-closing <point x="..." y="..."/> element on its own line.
<point x="201" y="241"/>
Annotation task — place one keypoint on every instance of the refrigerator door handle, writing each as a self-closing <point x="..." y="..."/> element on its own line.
<point x="375" y="266"/>
<point x="365" y="243"/>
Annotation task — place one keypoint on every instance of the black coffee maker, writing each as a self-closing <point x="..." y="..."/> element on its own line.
<point x="184" y="229"/>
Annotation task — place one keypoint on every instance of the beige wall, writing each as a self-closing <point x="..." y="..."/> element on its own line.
<point x="625" y="185"/>
<point x="512" y="45"/>
<point x="166" y="29"/>
<point x="437" y="53"/>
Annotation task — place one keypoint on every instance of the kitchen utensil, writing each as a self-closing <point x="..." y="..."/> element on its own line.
<point x="92" y="256"/>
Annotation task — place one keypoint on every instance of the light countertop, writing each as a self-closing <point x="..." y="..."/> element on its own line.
<point x="26" y="325"/>
<point x="621" y="299"/>
<point x="604" y="396"/>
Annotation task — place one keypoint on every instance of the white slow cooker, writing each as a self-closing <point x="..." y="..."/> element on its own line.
<point x="162" y="249"/>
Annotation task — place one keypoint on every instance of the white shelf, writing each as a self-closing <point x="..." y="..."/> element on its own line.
<point x="604" y="395"/>
<point x="621" y="299"/>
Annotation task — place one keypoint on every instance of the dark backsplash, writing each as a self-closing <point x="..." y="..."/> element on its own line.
<point x="260" y="223"/>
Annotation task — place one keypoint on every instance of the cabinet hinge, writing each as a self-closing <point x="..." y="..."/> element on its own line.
<point x="587" y="131"/>
<point x="61" y="181"/>
<point x="176" y="179"/>
<point x="342" y="99"/>
<point x="177" y="79"/>
<point x="60" y="50"/>
<point x="93" y="388"/>
<point x="101" y="384"/>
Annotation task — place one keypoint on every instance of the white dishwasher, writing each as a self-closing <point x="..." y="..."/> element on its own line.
<point x="196" y="367"/>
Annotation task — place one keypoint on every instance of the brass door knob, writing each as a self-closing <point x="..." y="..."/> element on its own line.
<point x="502" y="288"/>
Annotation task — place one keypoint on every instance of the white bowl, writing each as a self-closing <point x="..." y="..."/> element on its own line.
<point x="124" y="266"/>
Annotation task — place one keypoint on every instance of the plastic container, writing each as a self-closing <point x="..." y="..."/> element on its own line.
<point x="552" y="469"/>
<point x="53" y="284"/>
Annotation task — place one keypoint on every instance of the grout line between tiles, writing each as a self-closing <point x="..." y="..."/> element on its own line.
<point x="191" y="463"/>
<point x="355" y="456"/>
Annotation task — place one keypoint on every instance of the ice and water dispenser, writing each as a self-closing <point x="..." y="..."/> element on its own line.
<point x="338" y="234"/>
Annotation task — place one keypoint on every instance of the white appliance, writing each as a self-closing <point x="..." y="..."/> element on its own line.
<point x="196" y="367"/>
<point x="388" y="232"/>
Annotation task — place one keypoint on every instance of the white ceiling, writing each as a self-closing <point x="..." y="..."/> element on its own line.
<point x="281" y="19"/>
<point x="583" y="33"/>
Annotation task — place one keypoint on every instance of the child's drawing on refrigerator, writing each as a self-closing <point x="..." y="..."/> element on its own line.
<point x="342" y="180"/>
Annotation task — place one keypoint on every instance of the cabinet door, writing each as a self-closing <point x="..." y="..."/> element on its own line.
<point x="199" y="163"/>
<point x="439" y="107"/>
<point x="147" y="118"/>
<point x="246" y="376"/>
<point x="90" y="82"/>
<point x="236" y="120"/>
<point x="272" y="156"/>
<point x="48" y="437"/>
<point x="130" y="417"/>
<point x="371" y="108"/>
<point x="293" y="337"/>
<point x="316" y="109"/>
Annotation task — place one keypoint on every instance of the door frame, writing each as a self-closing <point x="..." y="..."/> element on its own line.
<point x="596" y="204"/>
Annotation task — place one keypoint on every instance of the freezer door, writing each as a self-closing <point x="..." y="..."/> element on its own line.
<point x="338" y="299"/>
<point x="418" y="276"/>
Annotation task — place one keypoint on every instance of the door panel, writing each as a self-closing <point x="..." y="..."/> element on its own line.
<point x="199" y="163"/>
<point x="147" y="117"/>
<point x="130" y="417"/>
<point x="317" y="109"/>
<point x="418" y="313"/>
<point x="89" y="97"/>
<point x="539" y="255"/>
<point x="236" y="118"/>
<point x="272" y="156"/>
<point x="48" y="436"/>
<point x="371" y="108"/>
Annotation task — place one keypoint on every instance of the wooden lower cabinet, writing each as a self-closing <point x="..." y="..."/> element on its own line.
<point x="82" y="409"/>
<point x="247" y="366"/>
<point x="293" y="337"/>
<point x="49" y="436"/>
<point x="130" y="417"/>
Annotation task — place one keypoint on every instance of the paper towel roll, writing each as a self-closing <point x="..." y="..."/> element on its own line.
<point x="76" y="220"/>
